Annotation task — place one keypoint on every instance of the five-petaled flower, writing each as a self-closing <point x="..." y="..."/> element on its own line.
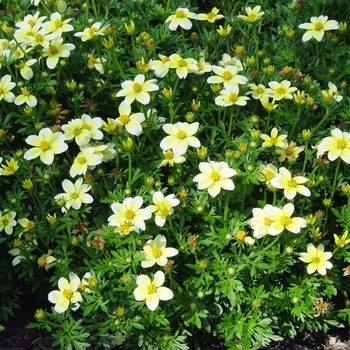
<point x="137" y="89"/>
<point x="280" y="90"/>
<point x="131" y="122"/>
<point x="214" y="176"/>
<point x="156" y="252"/>
<point x="67" y="293"/>
<point x="56" y="50"/>
<point x="274" y="140"/>
<point x="181" y="18"/>
<point x="290" y="185"/>
<point x="211" y="17"/>
<point x="317" y="259"/>
<point x="6" y="85"/>
<point x="337" y="145"/>
<point x="93" y="32"/>
<point x="180" y="137"/>
<point x="253" y="15"/>
<point x="341" y="241"/>
<point x="163" y="206"/>
<point x="130" y="214"/>
<point x="46" y="145"/>
<point x="7" y="221"/>
<point x="152" y="291"/>
<point x="261" y="222"/>
<point x="317" y="27"/>
<point x="227" y="75"/>
<point x="75" y="194"/>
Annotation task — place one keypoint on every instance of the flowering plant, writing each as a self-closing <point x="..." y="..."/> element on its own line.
<point x="174" y="175"/>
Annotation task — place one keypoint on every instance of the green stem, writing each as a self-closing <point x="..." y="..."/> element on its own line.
<point x="306" y="155"/>
<point x="321" y="122"/>
<point x="260" y="252"/>
<point x="227" y="200"/>
<point x="295" y="123"/>
<point x="184" y="41"/>
<point x="130" y="168"/>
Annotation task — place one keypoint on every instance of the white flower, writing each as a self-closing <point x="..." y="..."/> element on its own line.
<point x="46" y="145"/>
<point x="214" y="176"/>
<point x="94" y="31"/>
<point x="156" y="252"/>
<point x="152" y="291"/>
<point x="163" y="206"/>
<point x="131" y="213"/>
<point x="180" y="137"/>
<point x="75" y="194"/>
<point x="67" y="293"/>
<point x="7" y="221"/>
<point x="317" y="27"/>
<point x="181" y="18"/>
<point x="131" y="122"/>
<point x="84" y="160"/>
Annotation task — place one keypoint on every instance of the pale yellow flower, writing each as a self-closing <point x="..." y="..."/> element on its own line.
<point x="67" y="294"/>
<point x="46" y="145"/>
<point x="332" y="95"/>
<point x="317" y="259"/>
<point x="317" y="27"/>
<point x="163" y="206"/>
<point x="156" y="252"/>
<point x="180" y="136"/>
<point x="261" y="222"/>
<point x="7" y="221"/>
<point x="337" y="145"/>
<point x="94" y="31"/>
<point x="181" y="18"/>
<point x="227" y="75"/>
<point x="290" y="152"/>
<point x="85" y="160"/>
<point x="281" y="220"/>
<point x="26" y="97"/>
<point x="290" y="185"/>
<point x="231" y="96"/>
<point x="258" y="92"/>
<point x="171" y="158"/>
<point x="57" y="25"/>
<point x="130" y="212"/>
<point x="341" y="241"/>
<point x="10" y="168"/>
<point x="253" y="15"/>
<point x="277" y="90"/>
<point x="214" y="176"/>
<point x="6" y="85"/>
<point x="274" y="140"/>
<point x="131" y="122"/>
<point x="183" y="66"/>
<point x="138" y="89"/>
<point x="211" y="17"/>
<point x="267" y="173"/>
<point x="152" y="291"/>
<point x="74" y="195"/>
<point x="55" y="51"/>
<point x="224" y="31"/>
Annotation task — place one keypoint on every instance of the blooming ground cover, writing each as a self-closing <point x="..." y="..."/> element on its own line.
<point x="175" y="173"/>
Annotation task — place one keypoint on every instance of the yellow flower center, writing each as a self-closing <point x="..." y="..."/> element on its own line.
<point x="5" y="221"/>
<point x="163" y="210"/>
<point x="289" y="151"/>
<point x="31" y="23"/>
<point x="232" y="97"/>
<point x="318" y="26"/>
<point x="211" y="15"/>
<point x="182" y="63"/>
<point x="316" y="260"/>
<point x="267" y="222"/>
<point x="165" y="60"/>
<point x="77" y="130"/>
<point x="269" y="175"/>
<point x="252" y="16"/>
<point x="42" y="262"/>
<point x="286" y="220"/>
<point x="281" y="90"/>
<point x="74" y="195"/>
<point x="215" y="176"/>
<point x="260" y="90"/>
<point x="81" y="160"/>
<point x="179" y="13"/>
<point x="341" y="144"/>
<point x="1" y="90"/>
<point x="227" y="75"/>
<point x="124" y="119"/>
<point x="137" y="87"/>
<point x="169" y="154"/>
<point x="129" y="214"/>
<point x="38" y="38"/>
<point x="25" y="92"/>
<point x="292" y="183"/>
<point x="21" y="65"/>
<point x="91" y="61"/>
<point x="44" y="145"/>
<point x="57" y="23"/>
<point x="68" y="294"/>
<point x="151" y="288"/>
<point x="18" y="53"/>
<point x="181" y="135"/>
<point x="126" y="228"/>
<point x="156" y="252"/>
<point x="53" y="49"/>
<point x="92" y="31"/>
<point x="85" y="126"/>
